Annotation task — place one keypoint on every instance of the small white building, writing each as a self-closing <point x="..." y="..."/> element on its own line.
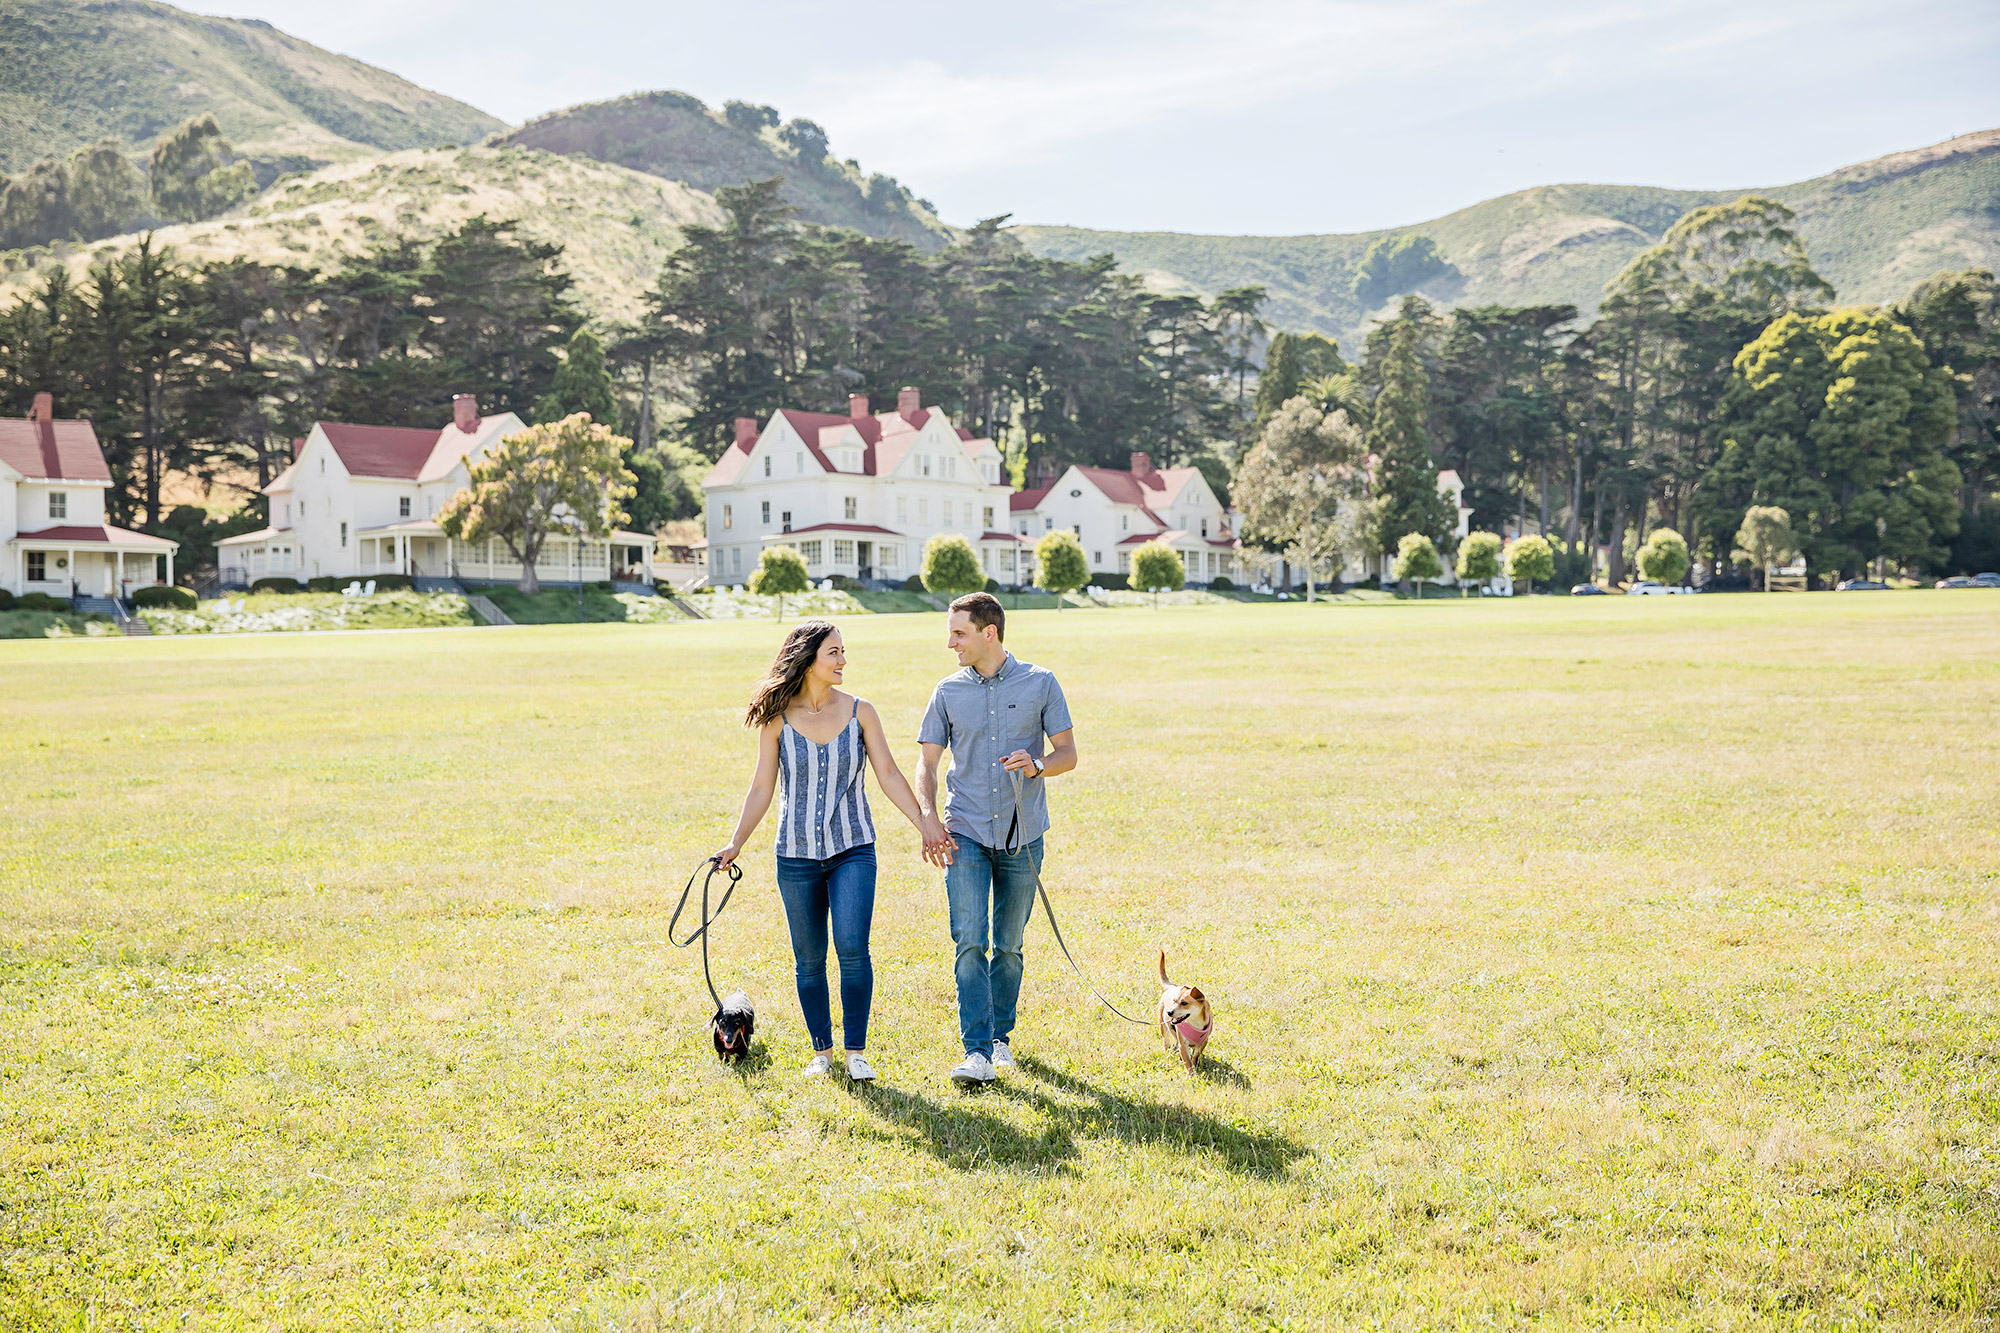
<point x="52" y="483"/>
<point x="358" y="502"/>
<point x="1113" y="512"/>
<point x="857" y="495"/>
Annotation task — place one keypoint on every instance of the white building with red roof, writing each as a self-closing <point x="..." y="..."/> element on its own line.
<point x="52" y="514"/>
<point x="359" y="502"/>
<point x="857" y="495"/>
<point x="1114" y="511"/>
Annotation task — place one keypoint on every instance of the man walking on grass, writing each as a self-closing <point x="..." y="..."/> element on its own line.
<point x="992" y="715"/>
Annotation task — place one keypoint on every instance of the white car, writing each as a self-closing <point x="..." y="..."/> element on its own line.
<point x="1648" y="588"/>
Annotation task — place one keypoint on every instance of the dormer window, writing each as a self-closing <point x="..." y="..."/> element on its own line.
<point x="58" y="504"/>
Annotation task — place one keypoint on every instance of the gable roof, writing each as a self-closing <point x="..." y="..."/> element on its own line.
<point x="381" y="451"/>
<point x="885" y="438"/>
<point x="52" y="450"/>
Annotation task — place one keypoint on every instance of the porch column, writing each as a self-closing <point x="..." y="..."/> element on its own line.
<point x="72" y="571"/>
<point x="118" y="580"/>
<point x="170" y="569"/>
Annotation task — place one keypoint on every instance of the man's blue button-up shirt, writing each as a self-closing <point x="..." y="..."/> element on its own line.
<point x="981" y="721"/>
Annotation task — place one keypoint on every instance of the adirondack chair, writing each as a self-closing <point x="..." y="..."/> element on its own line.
<point x="369" y="591"/>
<point x="352" y="590"/>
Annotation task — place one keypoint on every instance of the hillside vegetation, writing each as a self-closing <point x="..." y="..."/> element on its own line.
<point x="1874" y="230"/>
<point x="677" y="137"/>
<point x="617" y="226"/>
<point x="71" y="74"/>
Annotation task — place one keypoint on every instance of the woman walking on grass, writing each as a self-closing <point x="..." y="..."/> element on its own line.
<point x="811" y="739"/>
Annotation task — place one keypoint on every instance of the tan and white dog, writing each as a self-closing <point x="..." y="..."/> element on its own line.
<point x="1185" y="1019"/>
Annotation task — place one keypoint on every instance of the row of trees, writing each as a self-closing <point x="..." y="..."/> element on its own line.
<point x="1713" y="381"/>
<point x="1066" y="361"/>
<point x="193" y="173"/>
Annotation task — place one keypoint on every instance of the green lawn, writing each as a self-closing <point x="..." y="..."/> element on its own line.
<point x="1598" y="963"/>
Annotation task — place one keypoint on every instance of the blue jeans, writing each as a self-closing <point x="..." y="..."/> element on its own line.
<point x="840" y="889"/>
<point x="989" y="988"/>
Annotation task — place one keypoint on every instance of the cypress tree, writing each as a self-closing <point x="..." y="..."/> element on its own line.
<point x="582" y="384"/>
<point x="1405" y="473"/>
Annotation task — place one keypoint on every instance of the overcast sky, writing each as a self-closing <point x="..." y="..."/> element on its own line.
<point x="1254" y="116"/>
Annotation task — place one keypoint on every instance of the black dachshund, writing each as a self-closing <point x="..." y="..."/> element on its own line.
<point x="735" y="1023"/>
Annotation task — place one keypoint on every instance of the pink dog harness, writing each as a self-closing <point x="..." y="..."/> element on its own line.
<point x="1192" y="1035"/>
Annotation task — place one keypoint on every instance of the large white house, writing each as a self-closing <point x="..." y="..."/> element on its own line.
<point x="361" y="501"/>
<point x="52" y="483"/>
<point x="857" y="495"/>
<point x="1113" y="512"/>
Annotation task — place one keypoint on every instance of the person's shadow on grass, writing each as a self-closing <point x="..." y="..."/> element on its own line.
<point x="964" y="1137"/>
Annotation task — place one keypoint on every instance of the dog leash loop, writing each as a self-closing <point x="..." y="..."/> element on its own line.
<point x="1048" y="909"/>
<point x="708" y="917"/>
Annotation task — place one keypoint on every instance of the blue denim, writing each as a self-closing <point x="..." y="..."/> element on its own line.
<point x="840" y="889"/>
<point x="989" y="988"/>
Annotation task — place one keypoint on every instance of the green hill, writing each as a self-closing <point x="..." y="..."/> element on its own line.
<point x="73" y="73"/>
<point x="677" y="137"/>
<point x="1874" y="230"/>
<point x="616" y="226"/>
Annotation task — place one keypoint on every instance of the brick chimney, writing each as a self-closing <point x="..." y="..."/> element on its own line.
<point x="908" y="401"/>
<point x="44" y="408"/>
<point x="1142" y="465"/>
<point x="465" y="413"/>
<point x="857" y="405"/>
<point x="746" y="433"/>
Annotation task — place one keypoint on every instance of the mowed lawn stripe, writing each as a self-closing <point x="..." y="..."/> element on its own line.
<point x="1578" y="963"/>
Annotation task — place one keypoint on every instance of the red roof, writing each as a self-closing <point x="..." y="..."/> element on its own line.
<point x="1027" y="499"/>
<point x="104" y="535"/>
<point x="1000" y="537"/>
<point x="381" y="451"/>
<point x="838" y="527"/>
<point x="52" y="450"/>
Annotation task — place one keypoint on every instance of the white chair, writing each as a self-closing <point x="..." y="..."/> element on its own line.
<point x="369" y="591"/>
<point x="352" y="590"/>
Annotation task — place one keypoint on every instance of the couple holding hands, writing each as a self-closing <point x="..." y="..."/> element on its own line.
<point x="812" y="739"/>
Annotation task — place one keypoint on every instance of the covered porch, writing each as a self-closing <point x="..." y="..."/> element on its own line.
<point x="266" y="553"/>
<point x="420" y="549"/>
<point x="97" y="561"/>
<point x="852" y="550"/>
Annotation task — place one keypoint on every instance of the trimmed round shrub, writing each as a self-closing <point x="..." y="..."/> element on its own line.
<point x="602" y="585"/>
<point x="389" y="583"/>
<point x="275" y="584"/>
<point x="6" y="600"/>
<point x="327" y="584"/>
<point x="1221" y="583"/>
<point x="160" y="594"/>
<point x="993" y="585"/>
<point x="914" y="583"/>
<point x="41" y="601"/>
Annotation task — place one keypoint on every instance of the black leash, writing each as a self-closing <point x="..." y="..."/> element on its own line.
<point x="1048" y="909"/>
<point x="707" y="917"/>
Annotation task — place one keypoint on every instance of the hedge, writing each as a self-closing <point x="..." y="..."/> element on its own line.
<point x="1221" y="583"/>
<point x="41" y="601"/>
<point x="325" y="584"/>
<point x="6" y="600"/>
<point x="276" y="584"/>
<point x="160" y="594"/>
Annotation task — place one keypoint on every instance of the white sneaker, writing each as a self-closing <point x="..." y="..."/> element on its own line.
<point x="1003" y="1056"/>
<point x="976" y="1071"/>
<point x="858" y="1068"/>
<point x="817" y="1068"/>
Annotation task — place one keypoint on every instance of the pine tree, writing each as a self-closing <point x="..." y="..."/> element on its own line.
<point x="582" y="384"/>
<point x="1399" y="437"/>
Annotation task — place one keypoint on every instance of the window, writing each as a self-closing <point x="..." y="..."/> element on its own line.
<point x="902" y="509"/>
<point x="843" y="552"/>
<point x="736" y="559"/>
<point x="1048" y="525"/>
<point x="950" y="468"/>
<point x="1204" y="527"/>
<point x="288" y="513"/>
<point x="1124" y="522"/>
<point x="849" y="508"/>
<point x="38" y="566"/>
<point x="343" y="535"/>
<point x="1024" y="527"/>
<point x="1096" y="559"/>
<point x="923" y="510"/>
<point x="322" y="466"/>
<point x="809" y="552"/>
<point x="989" y="518"/>
<point x="402" y="506"/>
<point x="891" y="556"/>
<point x="433" y="507"/>
<point x="767" y="465"/>
<point x="799" y="464"/>
<point x="58" y="504"/>
<point x="785" y="520"/>
<point x="1124" y="562"/>
<point x="924" y="465"/>
<point x="765" y="512"/>
<point x="728" y="517"/>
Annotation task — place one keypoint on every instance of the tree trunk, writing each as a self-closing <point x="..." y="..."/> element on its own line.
<point x="1616" y="560"/>
<point x="1543" y="492"/>
<point x="1576" y="503"/>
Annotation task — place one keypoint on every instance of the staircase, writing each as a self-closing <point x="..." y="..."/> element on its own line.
<point x="96" y="606"/>
<point x="686" y="607"/>
<point x="483" y="608"/>
<point x="432" y="583"/>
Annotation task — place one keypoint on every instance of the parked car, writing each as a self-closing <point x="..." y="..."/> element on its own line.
<point x="1987" y="580"/>
<point x="1860" y="585"/>
<point x="1648" y="588"/>
<point x="1586" y="590"/>
<point x="1958" y="581"/>
<point x="1728" y="583"/>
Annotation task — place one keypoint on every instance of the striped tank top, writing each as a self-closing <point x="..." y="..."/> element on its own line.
<point x="822" y="800"/>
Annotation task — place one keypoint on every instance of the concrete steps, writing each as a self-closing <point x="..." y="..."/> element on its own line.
<point x="483" y="608"/>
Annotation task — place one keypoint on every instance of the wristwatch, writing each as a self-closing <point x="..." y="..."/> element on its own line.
<point x="1039" y="766"/>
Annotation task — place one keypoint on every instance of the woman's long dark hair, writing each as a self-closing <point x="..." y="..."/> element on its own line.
<point x="787" y="676"/>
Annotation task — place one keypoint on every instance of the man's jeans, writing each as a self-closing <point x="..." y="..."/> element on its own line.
<point x="988" y="989"/>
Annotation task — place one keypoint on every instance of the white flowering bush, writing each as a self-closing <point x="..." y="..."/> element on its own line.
<point x="269" y="613"/>
<point x="732" y="604"/>
<point x="642" y="610"/>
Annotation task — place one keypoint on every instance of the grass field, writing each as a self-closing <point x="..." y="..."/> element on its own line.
<point x="1614" y="963"/>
